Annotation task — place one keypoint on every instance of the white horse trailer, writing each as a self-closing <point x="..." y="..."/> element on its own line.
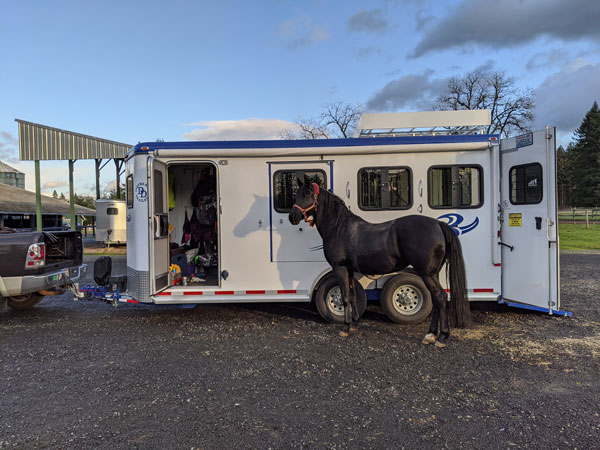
<point x="499" y="195"/>
<point x="111" y="221"/>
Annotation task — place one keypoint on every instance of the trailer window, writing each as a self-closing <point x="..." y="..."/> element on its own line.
<point x="112" y="211"/>
<point x="384" y="188"/>
<point x="285" y="185"/>
<point x="526" y="184"/>
<point x="129" y="189"/>
<point x="455" y="187"/>
<point x="158" y="191"/>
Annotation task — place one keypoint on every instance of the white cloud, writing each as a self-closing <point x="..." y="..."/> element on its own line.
<point x="300" y="32"/>
<point x="564" y="97"/>
<point x="372" y="21"/>
<point x="245" y="129"/>
<point x="54" y="184"/>
<point x="9" y="151"/>
<point x="499" y="24"/>
<point x="412" y="91"/>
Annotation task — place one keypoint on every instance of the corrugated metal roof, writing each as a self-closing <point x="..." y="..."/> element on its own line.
<point x="6" y="168"/>
<point x="19" y="201"/>
<point x="40" y="142"/>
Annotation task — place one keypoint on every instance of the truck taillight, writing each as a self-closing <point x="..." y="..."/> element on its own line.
<point x="35" y="256"/>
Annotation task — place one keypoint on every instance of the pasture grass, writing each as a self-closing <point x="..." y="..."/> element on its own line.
<point x="578" y="237"/>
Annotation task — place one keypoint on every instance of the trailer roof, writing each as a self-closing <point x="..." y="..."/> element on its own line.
<point x="145" y="147"/>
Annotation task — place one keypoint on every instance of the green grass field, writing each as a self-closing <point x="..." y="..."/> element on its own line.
<point x="577" y="237"/>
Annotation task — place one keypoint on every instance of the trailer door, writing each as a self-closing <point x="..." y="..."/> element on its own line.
<point x="294" y="242"/>
<point x="529" y="235"/>
<point x="159" y="224"/>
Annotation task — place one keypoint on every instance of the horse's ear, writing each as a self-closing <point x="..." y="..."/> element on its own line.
<point x="300" y="182"/>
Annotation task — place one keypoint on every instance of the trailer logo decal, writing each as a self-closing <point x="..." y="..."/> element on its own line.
<point x="141" y="192"/>
<point x="454" y="220"/>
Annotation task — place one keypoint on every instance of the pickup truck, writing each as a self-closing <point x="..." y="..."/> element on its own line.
<point x="34" y="264"/>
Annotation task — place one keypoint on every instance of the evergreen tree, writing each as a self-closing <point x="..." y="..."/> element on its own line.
<point x="584" y="161"/>
<point x="563" y="180"/>
<point x="54" y="194"/>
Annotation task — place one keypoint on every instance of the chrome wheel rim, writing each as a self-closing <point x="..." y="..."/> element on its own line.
<point x="334" y="301"/>
<point x="407" y="300"/>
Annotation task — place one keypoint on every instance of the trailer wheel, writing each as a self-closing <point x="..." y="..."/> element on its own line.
<point x="25" y="301"/>
<point x="406" y="299"/>
<point x="328" y="299"/>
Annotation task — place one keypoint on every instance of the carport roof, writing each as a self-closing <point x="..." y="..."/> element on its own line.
<point x="41" y="142"/>
<point x="19" y="201"/>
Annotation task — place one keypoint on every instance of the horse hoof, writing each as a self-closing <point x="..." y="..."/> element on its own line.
<point x="353" y="329"/>
<point x="344" y="334"/>
<point x="429" y="339"/>
<point x="439" y="344"/>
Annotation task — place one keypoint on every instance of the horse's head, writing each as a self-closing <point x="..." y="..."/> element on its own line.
<point x="306" y="203"/>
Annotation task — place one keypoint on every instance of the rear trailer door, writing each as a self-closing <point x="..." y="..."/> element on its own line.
<point x="159" y="224"/>
<point x="294" y="243"/>
<point x="529" y="235"/>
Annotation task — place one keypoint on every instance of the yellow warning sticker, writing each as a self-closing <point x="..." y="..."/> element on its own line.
<point x="515" y="220"/>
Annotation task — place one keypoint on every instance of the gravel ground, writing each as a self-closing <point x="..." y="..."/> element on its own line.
<point x="84" y="375"/>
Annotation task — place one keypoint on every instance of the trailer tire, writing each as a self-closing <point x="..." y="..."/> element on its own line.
<point x="25" y="301"/>
<point x="328" y="299"/>
<point x="405" y="299"/>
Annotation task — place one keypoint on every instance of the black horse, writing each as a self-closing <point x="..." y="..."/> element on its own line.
<point x="353" y="245"/>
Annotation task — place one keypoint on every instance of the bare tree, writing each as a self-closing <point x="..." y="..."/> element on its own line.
<point x="512" y="109"/>
<point x="336" y="120"/>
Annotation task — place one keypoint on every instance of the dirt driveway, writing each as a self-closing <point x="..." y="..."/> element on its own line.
<point x="85" y="375"/>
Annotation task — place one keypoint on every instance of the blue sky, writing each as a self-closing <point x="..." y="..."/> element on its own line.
<point x="137" y="71"/>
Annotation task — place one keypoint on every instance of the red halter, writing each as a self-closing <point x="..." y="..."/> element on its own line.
<point x="310" y="222"/>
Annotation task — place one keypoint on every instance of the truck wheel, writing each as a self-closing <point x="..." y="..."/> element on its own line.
<point x="25" y="301"/>
<point x="406" y="299"/>
<point x="328" y="299"/>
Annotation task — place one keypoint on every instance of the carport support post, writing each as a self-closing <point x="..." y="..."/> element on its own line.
<point x="118" y="165"/>
<point x="38" y="197"/>
<point x="98" y="162"/>
<point x="72" y="195"/>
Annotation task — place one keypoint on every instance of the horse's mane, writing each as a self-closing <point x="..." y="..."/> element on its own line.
<point x="337" y="210"/>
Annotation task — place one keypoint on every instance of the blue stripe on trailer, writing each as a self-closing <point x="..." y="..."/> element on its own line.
<point x="270" y="215"/>
<point x="536" y="308"/>
<point x="310" y="143"/>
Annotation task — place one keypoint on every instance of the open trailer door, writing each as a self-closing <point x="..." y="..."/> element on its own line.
<point x="529" y="236"/>
<point x="159" y="218"/>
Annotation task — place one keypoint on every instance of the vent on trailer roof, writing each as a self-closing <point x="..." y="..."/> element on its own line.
<point x="425" y="123"/>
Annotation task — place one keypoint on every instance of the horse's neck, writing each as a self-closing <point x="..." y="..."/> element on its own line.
<point x="334" y="214"/>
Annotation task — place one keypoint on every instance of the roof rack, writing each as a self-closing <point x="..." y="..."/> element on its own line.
<point x="425" y="123"/>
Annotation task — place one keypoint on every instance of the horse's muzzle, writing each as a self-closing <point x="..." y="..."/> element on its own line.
<point x="295" y="217"/>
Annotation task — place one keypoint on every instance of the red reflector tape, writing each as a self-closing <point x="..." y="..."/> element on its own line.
<point x="132" y="301"/>
<point x="497" y="265"/>
<point x="286" y="292"/>
<point x="483" y="290"/>
<point x="223" y="292"/>
<point x="447" y="290"/>
<point x="164" y="293"/>
<point x="192" y="293"/>
<point x="255" y="292"/>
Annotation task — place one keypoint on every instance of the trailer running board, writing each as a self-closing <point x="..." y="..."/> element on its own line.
<point x="556" y="312"/>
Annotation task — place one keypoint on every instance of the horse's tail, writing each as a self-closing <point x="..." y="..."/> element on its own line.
<point x="459" y="311"/>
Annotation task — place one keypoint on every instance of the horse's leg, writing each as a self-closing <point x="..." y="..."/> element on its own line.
<point x="341" y="274"/>
<point x="439" y="315"/>
<point x="352" y="300"/>
<point x="444" y="327"/>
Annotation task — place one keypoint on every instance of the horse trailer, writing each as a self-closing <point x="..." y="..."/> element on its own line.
<point x="111" y="222"/>
<point x="207" y="222"/>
